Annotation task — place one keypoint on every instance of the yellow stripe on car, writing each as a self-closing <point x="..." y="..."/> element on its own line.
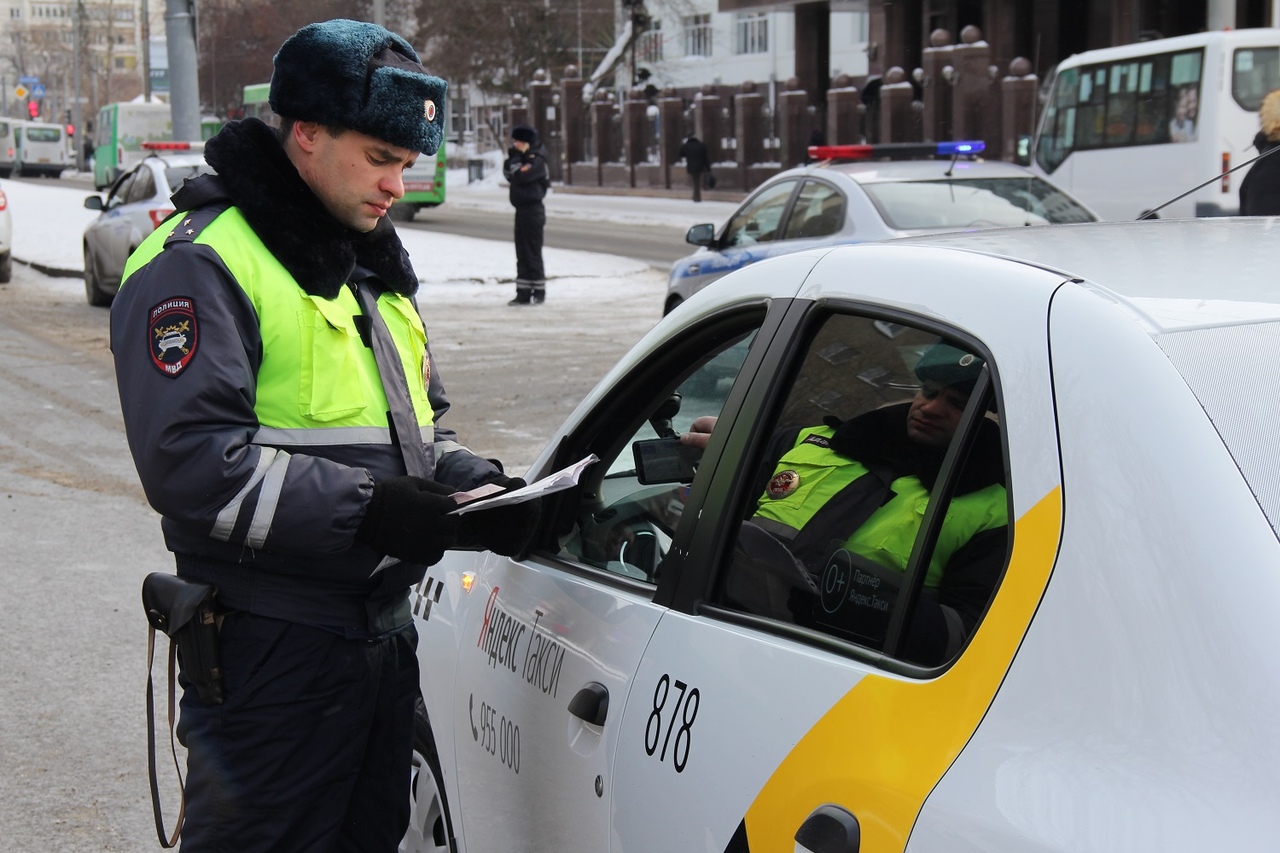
<point x="881" y="749"/>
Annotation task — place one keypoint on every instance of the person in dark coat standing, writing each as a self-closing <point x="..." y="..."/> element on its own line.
<point x="697" y="162"/>
<point x="529" y="176"/>
<point x="1260" y="189"/>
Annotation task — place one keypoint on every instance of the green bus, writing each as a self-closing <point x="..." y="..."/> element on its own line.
<point x="423" y="184"/>
<point x="121" y="129"/>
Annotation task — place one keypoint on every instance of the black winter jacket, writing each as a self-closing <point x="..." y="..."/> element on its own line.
<point x="1260" y="189"/>
<point x="528" y="174"/>
<point x="276" y="534"/>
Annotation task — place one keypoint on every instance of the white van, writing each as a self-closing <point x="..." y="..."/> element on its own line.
<point x="41" y="150"/>
<point x="9" y="143"/>
<point x="1126" y="129"/>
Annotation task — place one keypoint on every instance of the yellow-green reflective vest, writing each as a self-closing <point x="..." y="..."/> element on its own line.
<point x="889" y="534"/>
<point x="316" y="372"/>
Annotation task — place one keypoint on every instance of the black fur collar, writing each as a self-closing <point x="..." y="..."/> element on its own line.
<point x="879" y="440"/>
<point x="320" y="253"/>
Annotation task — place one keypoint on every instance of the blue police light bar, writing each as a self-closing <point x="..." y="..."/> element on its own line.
<point x="961" y="146"/>
<point x="896" y="151"/>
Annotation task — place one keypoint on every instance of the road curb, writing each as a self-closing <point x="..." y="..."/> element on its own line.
<point x="55" y="272"/>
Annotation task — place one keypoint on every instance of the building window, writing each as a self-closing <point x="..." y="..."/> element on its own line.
<point x="697" y="35"/>
<point x="751" y="32"/>
<point x="649" y="48"/>
<point x="861" y="27"/>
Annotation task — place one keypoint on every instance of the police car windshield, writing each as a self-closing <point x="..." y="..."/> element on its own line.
<point x="982" y="202"/>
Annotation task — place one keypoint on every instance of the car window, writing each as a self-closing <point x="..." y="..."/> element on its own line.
<point x="142" y="187"/>
<point x="877" y="513"/>
<point x="818" y="212"/>
<point x="119" y="192"/>
<point x="758" y="220"/>
<point x="175" y="175"/>
<point x="972" y="203"/>
<point x="624" y="517"/>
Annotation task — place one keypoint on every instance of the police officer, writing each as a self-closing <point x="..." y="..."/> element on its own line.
<point x="282" y="408"/>
<point x="854" y="492"/>
<point x="529" y="177"/>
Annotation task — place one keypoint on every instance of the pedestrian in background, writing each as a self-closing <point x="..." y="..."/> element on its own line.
<point x="529" y="178"/>
<point x="697" y="163"/>
<point x="282" y="409"/>
<point x="1260" y="189"/>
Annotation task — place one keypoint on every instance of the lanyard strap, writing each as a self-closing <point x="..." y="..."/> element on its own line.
<point x="419" y="460"/>
<point x="171" y="840"/>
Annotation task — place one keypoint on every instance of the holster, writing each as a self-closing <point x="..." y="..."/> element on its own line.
<point x="185" y="611"/>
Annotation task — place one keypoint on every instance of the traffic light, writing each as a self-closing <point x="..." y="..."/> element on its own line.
<point x="33" y="109"/>
<point x="71" y="129"/>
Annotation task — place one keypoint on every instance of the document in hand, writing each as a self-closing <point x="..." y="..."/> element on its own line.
<point x="565" y="478"/>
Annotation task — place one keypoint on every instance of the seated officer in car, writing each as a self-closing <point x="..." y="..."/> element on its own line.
<point x="845" y="500"/>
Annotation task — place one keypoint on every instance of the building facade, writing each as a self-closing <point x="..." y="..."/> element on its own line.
<point x="54" y="41"/>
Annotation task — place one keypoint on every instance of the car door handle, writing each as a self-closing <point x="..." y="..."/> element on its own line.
<point x="829" y="829"/>
<point x="591" y="703"/>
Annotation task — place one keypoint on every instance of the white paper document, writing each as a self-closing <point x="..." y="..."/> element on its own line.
<point x="565" y="478"/>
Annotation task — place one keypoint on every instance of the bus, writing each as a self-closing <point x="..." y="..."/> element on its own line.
<point x="40" y="148"/>
<point x="423" y="184"/>
<point x="121" y="129"/>
<point x="1126" y="129"/>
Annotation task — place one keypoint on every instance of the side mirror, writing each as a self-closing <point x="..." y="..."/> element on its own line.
<point x="93" y="202"/>
<point x="701" y="235"/>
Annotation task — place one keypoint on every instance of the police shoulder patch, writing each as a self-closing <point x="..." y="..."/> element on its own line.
<point x="172" y="334"/>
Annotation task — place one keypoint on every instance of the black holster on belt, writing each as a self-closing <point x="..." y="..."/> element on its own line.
<point x="185" y="612"/>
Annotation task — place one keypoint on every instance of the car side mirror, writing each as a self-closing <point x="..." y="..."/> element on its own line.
<point x="93" y="202"/>
<point x="701" y="235"/>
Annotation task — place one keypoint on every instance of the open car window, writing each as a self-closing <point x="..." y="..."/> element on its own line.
<point x="878" y="510"/>
<point x="624" y="516"/>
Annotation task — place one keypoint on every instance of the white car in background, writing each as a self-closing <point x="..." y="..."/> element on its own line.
<point x="136" y="203"/>
<point x="657" y="675"/>
<point x="6" y="239"/>
<point x="857" y="193"/>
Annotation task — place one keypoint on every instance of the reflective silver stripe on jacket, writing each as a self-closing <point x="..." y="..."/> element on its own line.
<point x="330" y="436"/>
<point x="271" y="467"/>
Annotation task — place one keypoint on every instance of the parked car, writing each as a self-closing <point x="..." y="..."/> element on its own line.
<point x="661" y="671"/>
<point x="6" y="239"/>
<point x="856" y="193"/>
<point x="136" y="203"/>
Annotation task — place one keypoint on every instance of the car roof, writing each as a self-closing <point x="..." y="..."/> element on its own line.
<point x="874" y="171"/>
<point x="1176" y="274"/>
<point x="176" y="159"/>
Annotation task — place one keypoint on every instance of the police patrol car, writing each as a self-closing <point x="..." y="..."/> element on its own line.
<point x="656" y="675"/>
<point x="855" y="193"/>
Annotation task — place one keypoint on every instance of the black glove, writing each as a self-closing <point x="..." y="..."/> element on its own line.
<point x="408" y="518"/>
<point x="505" y="530"/>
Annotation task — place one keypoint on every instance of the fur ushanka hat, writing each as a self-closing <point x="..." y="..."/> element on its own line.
<point x="359" y="76"/>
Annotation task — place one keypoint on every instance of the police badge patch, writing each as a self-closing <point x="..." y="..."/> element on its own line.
<point x="173" y="334"/>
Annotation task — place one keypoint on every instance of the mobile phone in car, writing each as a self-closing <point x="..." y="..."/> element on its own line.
<point x="665" y="460"/>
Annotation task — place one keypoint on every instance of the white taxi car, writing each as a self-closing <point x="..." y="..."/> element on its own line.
<point x="666" y="670"/>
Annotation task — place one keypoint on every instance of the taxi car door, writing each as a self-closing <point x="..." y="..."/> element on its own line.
<point x="782" y="695"/>
<point x="550" y="642"/>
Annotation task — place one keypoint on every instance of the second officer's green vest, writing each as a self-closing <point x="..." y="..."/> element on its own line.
<point x="889" y="534"/>
<point x="316" y="372"/>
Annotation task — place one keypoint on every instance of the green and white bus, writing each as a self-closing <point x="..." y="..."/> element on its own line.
<point x="121" y="129"/>
<point x="423" y="184"/>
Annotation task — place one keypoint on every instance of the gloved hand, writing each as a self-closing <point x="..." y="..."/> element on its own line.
<point x="408" y="518"/>
<point x="505" y="530"/>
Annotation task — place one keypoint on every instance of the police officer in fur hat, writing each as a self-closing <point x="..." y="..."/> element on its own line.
<point x="283" y="410"/>
<point x="529" y="177"/>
